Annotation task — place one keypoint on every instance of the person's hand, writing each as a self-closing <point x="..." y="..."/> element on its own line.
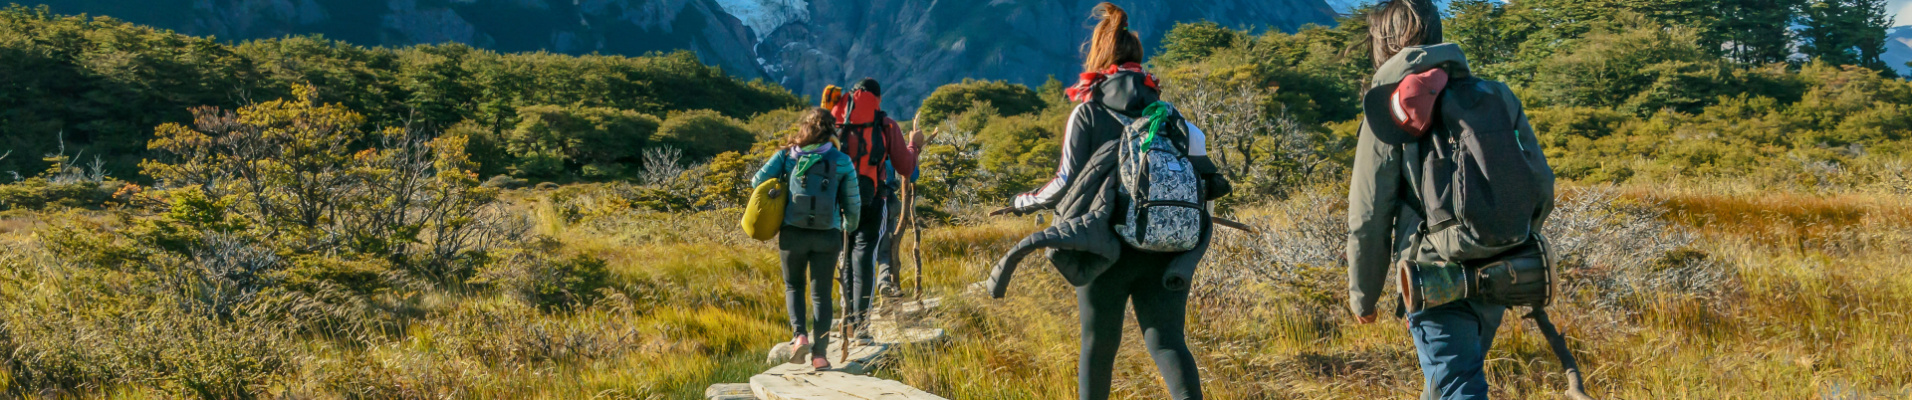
<point x="1002" y="211"/>
<point x="1365" y="319"/>
<point x="916" y="137"/>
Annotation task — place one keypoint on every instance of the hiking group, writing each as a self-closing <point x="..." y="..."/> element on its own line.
<point x="1449" y="192"/>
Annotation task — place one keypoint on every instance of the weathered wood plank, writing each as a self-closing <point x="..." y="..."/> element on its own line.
<point x="729" y="391"/>
<point x="831" y="385"/>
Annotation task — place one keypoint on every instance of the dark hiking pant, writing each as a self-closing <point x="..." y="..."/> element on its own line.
<point x="809" y="257"/>
<point x="1452" y="340"/>
<point x="1135" y="279"/>
<point x="886" y="253"/>
<point x="859" y="278"/>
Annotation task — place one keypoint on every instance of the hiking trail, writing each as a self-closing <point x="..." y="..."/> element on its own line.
<point x="896" y="323"/>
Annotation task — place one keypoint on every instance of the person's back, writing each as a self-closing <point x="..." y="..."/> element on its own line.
<point x="872" y="140"/>
<point x="1109" y="271"/>
<point x="1393" y="188"/>
<point x="823" y="202"/>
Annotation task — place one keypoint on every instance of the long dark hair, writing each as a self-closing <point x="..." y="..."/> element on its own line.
<point x="1394" y="25"/>
<point x="816" y="126"/>
<point x="1111" y="43"/>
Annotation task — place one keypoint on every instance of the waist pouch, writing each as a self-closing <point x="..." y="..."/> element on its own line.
<point x="1524" y="278"/>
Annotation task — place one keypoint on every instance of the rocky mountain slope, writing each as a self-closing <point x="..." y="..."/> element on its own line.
<point x="913" y="46"/>
<point x="1898" y="50"/>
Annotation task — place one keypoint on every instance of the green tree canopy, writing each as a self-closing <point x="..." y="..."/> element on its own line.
<point x="952" y="99"/>
<point x="702" y="134"/>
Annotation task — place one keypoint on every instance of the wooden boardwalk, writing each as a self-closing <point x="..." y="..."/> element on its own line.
<point x="906" y="325"/>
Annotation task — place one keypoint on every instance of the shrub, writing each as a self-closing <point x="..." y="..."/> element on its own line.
<point x="702" y="134"/>
<point x="542" y="275"/>
<point x="599" y="140"/>
<point x="38" y="193"/>
<point x="1625" y="253"/>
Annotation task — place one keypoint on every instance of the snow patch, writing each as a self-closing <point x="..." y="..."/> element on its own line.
<point x="764" y="16"/>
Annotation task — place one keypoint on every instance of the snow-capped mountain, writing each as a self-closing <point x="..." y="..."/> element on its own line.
<point x="912" y="46"/>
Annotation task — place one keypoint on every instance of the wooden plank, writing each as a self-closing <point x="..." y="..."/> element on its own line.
<point x="831" y="385"/>
<point x="729" y="391"/>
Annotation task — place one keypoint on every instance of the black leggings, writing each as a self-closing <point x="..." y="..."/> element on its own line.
<point x="859" y="278"/>
<point x="1161" y="312"/>
<point x="809" y="257"/>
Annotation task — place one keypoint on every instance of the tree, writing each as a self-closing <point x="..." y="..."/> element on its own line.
<point x="1231" y="116"/>
<point x="1189" y="41"/>
<point x="1757" y="31"/>
<point x="1008" y="99"/>
<point x="1637" y="65"/>
<point x="305" y="179"/>
<point x="703" y="134"/>
<point x="599" y="140"/>
<point x="1847" y="32"/>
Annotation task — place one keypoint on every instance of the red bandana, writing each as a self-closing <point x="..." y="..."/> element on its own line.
<point x="1086" y="87"/>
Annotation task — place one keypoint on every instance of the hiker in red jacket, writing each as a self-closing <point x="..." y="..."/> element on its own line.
<point x="872" y="140"/>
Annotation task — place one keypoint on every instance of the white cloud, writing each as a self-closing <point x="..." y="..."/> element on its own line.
<point x="1904" y="10"/>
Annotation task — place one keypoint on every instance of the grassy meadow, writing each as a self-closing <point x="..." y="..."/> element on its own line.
<point x="1674" y="291"/>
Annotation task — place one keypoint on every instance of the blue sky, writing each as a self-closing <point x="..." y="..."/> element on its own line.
<point x="1904" y="9"/>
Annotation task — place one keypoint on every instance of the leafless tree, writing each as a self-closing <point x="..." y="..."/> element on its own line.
<point x="662" y="164"/>
<point x="1229" y="113"/>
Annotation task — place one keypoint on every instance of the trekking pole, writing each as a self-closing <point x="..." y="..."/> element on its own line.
<point x="917" y="250"/>
<point x="1576" y="389"/>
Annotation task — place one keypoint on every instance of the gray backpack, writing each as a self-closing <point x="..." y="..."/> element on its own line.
<point x="1480" y="187"/>
<point x="1165" y="212"/>
<point x="813" y="194"/>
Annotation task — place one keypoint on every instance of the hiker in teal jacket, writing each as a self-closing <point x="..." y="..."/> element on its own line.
<point x="823" y="203"/>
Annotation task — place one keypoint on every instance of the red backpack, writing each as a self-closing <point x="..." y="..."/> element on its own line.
<point x="861" y="125"/>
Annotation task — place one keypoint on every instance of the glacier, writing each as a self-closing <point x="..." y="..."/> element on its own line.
<point x="765" y="16"/>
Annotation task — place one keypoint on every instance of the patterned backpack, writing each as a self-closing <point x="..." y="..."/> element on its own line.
<point x="1165" y="212"/>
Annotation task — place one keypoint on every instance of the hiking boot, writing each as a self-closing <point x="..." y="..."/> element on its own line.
<point x="889" y="290"/>
<point x="820" y="363"/>
<point x="799" y="348"/>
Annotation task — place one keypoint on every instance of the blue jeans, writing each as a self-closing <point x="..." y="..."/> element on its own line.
<point x="1452" y="340"/>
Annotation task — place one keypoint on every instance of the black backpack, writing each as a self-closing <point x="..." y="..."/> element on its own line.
<point x="1479" y="187"/>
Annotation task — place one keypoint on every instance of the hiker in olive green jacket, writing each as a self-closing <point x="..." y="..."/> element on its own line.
<point x="1451" y="339"/>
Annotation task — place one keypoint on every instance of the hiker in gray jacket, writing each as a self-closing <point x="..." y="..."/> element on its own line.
<point x="1452" y="339"/>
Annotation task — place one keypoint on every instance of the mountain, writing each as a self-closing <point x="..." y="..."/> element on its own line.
<point x="912" y="46"/>
<point x="1898" y="50"/>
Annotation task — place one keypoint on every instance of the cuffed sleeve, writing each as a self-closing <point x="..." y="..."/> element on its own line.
<point x="1075" y="151"/>
<point x="902" y="158"/>
<point x="1373" y="205"/>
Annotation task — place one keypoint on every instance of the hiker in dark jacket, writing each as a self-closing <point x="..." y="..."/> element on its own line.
<point x="888" y="280"/>
<point x="809" y="254"/>
<point x="1108" y="274"/>
<point x="870" y="146"/>
<point x="1452" y="338"/>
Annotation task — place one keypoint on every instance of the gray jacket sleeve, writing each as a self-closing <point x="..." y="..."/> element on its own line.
<point x="1373" y="205"/>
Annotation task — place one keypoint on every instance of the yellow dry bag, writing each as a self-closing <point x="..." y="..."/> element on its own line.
<point x="764" y="215"/>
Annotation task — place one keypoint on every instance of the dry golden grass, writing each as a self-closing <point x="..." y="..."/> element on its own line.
<point x="1820" y="312"/>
